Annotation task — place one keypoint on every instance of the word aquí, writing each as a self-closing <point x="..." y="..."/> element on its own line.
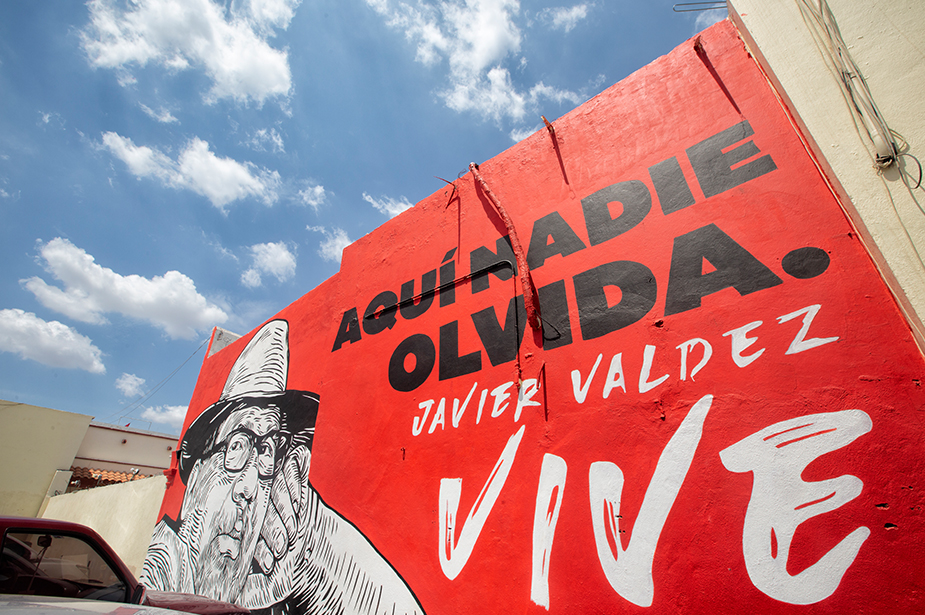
<point x="776" y="456"/>
<point x="551" y="235"/>
<point x="452" y="410"/>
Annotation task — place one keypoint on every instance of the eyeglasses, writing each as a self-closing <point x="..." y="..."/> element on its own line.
<point x="239" y="445"/>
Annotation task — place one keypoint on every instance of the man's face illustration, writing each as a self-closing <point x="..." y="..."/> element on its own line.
<point x="227" y="496"/>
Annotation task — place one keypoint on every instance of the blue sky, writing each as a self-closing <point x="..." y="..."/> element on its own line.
<point x="167" y="166"/>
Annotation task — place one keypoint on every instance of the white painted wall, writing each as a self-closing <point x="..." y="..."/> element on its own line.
<point x="123" y="514"/>
<point x="111" y="447"/>
<point x="887" y="40"/>
<point x="35" y="443"/>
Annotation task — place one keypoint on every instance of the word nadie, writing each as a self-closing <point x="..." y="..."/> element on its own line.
<point x="780" y="502"/>
<point x="735" y="267"/>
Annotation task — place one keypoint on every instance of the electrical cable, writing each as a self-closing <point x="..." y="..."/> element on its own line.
<point x="135" y="405"/>
<point x="865" y="113"/>
<point x="852" y="81"/>
<point x="906" y="309"/>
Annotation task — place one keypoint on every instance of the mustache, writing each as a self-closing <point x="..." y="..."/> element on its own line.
<point x="233" y="524"/>
<point x="223" y="567"/>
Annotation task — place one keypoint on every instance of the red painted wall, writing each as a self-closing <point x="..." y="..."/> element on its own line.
<point x="734" y="197"/>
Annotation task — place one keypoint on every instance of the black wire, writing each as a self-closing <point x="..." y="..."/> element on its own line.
<point x="137" y="403"/>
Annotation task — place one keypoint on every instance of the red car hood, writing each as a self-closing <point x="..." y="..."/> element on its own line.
<point x="192" y="603"/>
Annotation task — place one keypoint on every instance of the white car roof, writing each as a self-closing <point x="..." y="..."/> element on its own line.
<point x="11" y="604"/>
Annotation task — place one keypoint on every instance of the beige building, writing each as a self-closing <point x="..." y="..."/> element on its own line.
<point x="54" y="461"/>
<point x="851" y="74"/>
<point x="48" y="452"/>
<point x="37" y="450"/>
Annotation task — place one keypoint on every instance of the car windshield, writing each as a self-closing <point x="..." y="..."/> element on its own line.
<point x="45" y="564"/>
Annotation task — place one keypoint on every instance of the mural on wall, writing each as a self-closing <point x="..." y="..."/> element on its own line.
<point x="251" y="529"/>
<point x="640" y="362"/>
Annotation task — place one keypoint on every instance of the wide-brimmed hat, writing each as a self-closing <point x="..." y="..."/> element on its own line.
<point x="257" y="378"/>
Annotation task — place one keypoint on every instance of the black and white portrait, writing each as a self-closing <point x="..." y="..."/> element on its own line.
<point x="252" y="530"/>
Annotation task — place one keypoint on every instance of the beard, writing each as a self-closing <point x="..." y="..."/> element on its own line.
<point x="222" y="577"/>
<point x="226" y="561"/>
<point x="221" y="535"/>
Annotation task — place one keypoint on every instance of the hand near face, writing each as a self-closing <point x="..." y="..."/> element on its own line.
<point x="281" y="546"/>
<point x="298" y="527"/>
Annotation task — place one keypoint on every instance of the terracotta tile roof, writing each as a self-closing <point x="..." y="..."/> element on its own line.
<point x="91" y="477"/>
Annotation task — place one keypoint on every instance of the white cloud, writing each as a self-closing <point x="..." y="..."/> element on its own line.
<point x="142" y="161"/>
<point x="218" y="247"/>
<point x="313" y="196"/>
<point x="251" y="278"/>
<point x="163" y="116"/>
<point x="389" y="206"/>
<point x="4" y="183"/>
<point x="227" y="41"/>
<point x="50" y="343"/>
<point x="169" y="302"/>
<point x="475" y="37"/>
<point x="492" y="95"/>
<point x="264" y="139"/>
<point x="166" y="415"/>
<point x="221" y="180"/>
<point x="541" y="90"/>
<point x="479" y="40"/>
<point x="705" y="19"/>
<point x="274" y="259"/>
<point x="333" y="244"/>
<point x="50" y="119"/>
<point x="130" y="385"/>
<point x="564" y="18"/>
<point x="266" y="14"/>
<point x="519" y="134"/>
